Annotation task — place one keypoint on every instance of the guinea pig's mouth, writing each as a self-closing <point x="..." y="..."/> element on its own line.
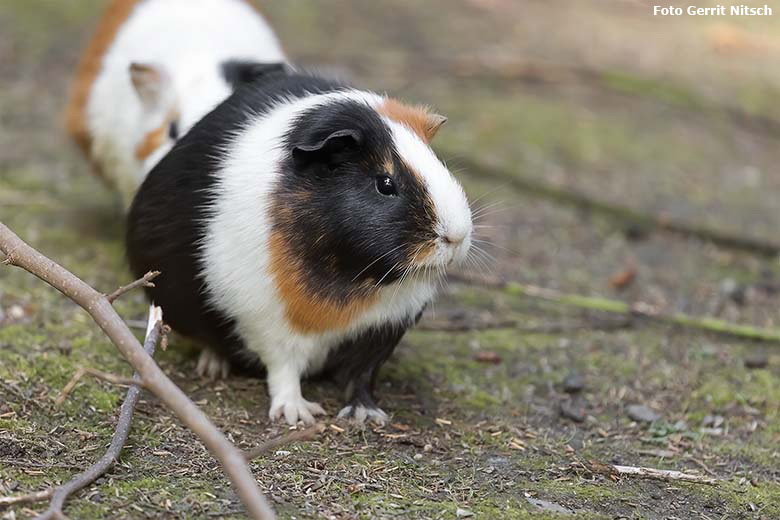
<point x="442" y="253"/>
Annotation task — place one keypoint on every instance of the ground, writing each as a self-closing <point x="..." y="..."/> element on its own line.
<point x="669" y="117"/>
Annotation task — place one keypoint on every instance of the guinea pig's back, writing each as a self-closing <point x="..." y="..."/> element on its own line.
<point x="188" y="39"/>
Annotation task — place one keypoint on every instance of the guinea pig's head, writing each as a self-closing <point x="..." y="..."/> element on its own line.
<point x="172" y="101"/>
<point x="364" y="199"/>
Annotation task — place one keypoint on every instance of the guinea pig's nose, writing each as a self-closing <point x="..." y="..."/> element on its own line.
<point x="455" y="237"/>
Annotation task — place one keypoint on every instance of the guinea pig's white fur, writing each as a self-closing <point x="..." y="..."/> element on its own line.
<point x="121" y="118"/>
<point x="235" y="252"/>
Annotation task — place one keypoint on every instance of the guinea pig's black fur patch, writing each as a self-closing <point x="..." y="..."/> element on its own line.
<point x="239" y="73"/>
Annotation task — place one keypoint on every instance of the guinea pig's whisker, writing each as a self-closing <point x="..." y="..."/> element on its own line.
<point x="481" y="259"/>
<point x="385" y="275"/>
<point x="484" y="254"/>
<point x="407" y="270"/>
<point x="494" y="244"/>
<point x="366" y="268"/>
<point x="489" y="192"/>
<point x="486" y="206"/>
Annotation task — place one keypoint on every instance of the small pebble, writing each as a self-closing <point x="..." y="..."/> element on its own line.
<point x="16" y="312"/>
<point x="571" y="409"/>
<point x="463" y="513"/>
<point x="712" y="421"/>
<point x="641" y="413"/>
<point x="756" y="360"/>
<point x="573" y="383"/>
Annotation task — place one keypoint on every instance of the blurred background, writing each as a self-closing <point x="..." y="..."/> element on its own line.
<point x="617" y="154"/>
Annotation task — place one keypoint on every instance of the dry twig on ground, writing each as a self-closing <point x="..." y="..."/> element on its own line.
<point x="105" y="376"/>
<point x="666" y="475"/>
<point x="19" y="254"/>
<point x="293" y="436"/>
<point x="29" y="498"/>
<point x="61" y="493"/>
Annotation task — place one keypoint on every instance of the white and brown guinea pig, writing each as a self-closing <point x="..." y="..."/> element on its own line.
<point x="304" y="225"/>
<point x="152" y="69"/>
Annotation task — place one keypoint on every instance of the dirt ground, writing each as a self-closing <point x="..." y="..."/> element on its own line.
<point x="675" y="117"/>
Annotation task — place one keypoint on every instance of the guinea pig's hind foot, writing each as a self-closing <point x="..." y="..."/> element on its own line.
<point x="212" y="366"/>
<point x="361" y="411"/>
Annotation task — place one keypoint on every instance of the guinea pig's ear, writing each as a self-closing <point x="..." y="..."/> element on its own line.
<point x="237" y="72"/>
<point x="331" y="151"/>
<point x="150" y="83"/>
<point x="433" y="123"/>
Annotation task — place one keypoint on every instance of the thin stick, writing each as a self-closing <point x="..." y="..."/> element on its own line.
<point x="99" y="468"/>
<point x="20" y="254"/>
<point x="294" y="436"/>
<point x="637" y="310"/>
<point x="144" y="281"/>
<point x="649" y="473"/>
<point x="105" y="376"/>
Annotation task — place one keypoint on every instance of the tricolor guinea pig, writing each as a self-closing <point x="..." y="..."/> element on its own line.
<point x="152" y="69"/>
<point x="302" y="225"/>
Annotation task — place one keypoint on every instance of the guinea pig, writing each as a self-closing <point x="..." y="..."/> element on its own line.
<point x="152" y="69"/>
<point x="302" y="225"/>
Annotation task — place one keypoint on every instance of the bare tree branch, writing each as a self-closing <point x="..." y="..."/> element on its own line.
<point x="20" y="254"/>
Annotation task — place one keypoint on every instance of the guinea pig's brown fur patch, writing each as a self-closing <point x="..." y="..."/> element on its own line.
<point x="417" y="118"/>
<point x="306" y="313"/>
<point x="89" y="68"/>
<point x="423" y="252"/>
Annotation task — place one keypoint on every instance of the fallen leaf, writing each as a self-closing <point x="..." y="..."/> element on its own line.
<point x="624" y="278"/>
<point x="487" y="356"/>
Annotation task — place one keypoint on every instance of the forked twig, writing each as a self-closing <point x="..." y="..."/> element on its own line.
<point x="20" y="254"/>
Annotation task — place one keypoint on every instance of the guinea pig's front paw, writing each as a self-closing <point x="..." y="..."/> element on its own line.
<point x="294" y="409"/>
<point x="360" y="412"/>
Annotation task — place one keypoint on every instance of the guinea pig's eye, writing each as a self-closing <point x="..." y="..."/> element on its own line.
<point x="385" y="185"/>
<point x="173" y="130"/>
